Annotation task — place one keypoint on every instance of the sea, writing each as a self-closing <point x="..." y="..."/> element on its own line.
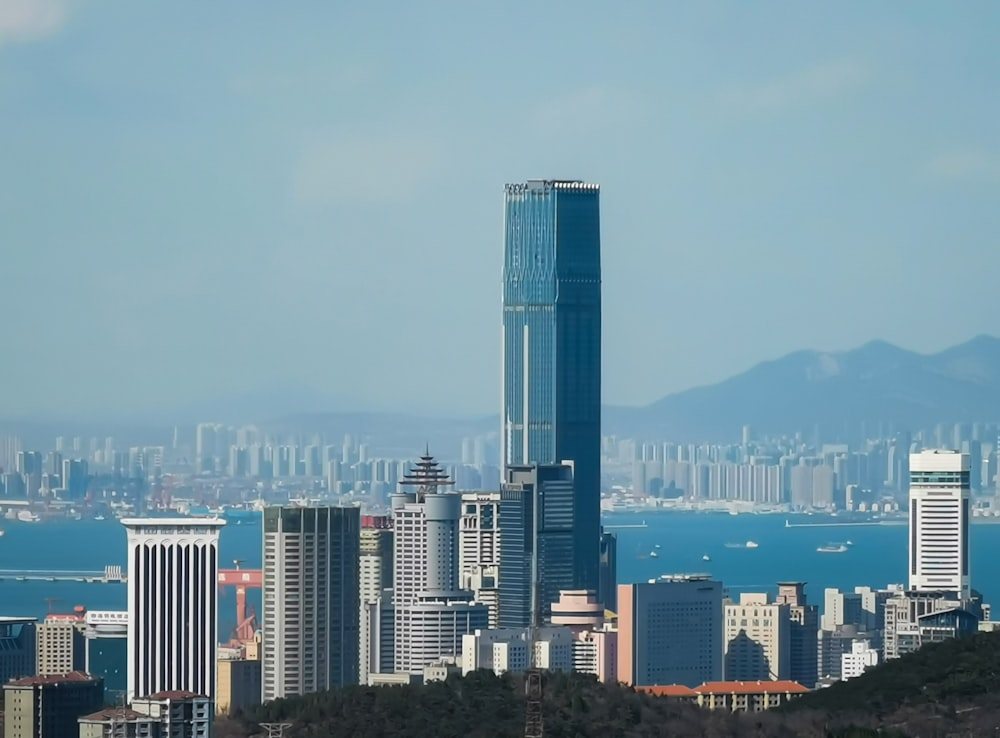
<point x="650" y="544"/>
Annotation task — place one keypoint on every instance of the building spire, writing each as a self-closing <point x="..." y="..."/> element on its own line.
<point x="427" y="475"/>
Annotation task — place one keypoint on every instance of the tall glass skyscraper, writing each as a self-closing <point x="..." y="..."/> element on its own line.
<point x="551" y="405"/>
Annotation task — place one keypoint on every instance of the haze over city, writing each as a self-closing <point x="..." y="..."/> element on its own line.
<point x="307" y="199"/>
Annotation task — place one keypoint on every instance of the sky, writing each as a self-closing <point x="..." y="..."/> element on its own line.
<point x="305" y="199"/>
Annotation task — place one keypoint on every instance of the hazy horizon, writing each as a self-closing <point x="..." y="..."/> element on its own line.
<point x="210" y="206"/>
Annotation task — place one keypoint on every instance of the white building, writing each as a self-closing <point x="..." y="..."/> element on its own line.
<point x="505" y="650"/>
<point x="861" y="657"/>
<point x="939" y="522"/>
<point x="172" y="604"/>
<point x="375" y="566"/>
<point x="479" y="549"/>
<point x="431" y="611"/>
<point x="757" y="635"/>
<point x="310" y="597"/>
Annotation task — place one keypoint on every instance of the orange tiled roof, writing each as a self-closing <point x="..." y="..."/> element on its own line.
<point x="73" y="676"/>
<point x="669" y="690"/>
<point x="759" y="687"/>
<point x="175" y="694"/>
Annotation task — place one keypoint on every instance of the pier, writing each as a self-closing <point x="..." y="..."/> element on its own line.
<point x="110" y="575"/>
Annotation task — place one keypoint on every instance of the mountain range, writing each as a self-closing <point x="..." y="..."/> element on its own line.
<point x="875" y="385"/>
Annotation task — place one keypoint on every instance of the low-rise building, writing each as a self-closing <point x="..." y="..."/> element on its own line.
<point x="861" y="658"/>
<point x="755" y="696"/>
<point x="119" y="722"/>
<point x="181" y="714"/>
<point x="505" y="650"/>
<point x="48" y="706"/>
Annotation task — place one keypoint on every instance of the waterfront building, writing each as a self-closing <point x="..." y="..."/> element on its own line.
<point x="311" y="599"/>
<point x="375" y="567"/>
<point x="939" y="522"/>
<point x="537" y="542"/>
<point x="48" y="706"/>
<point x="106" y="636"/>
<point x="172" y="604"/>
<point x="430" y="611"/>
<point x="757" y="635"/>
<point x="510" y="650"/>
<point x="670" y="631"/>
<point x="17" y="647"/>
<point x="861" y="658"/>
<point x="551" y="389"/>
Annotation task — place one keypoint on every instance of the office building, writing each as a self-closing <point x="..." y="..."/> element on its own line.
<point x="48" y="706"/>
<point x="861" y="658"/>
<point x="431" y="613"/>
<point x="238" y="684"/>
<point x="479" y="549"/>
<point x="670" y="631"/>
<point x="172" y="604"/>
<point x="804" y="619"/>
<point x="607" y="581"/>
<point x="510" y="650"/>
<point x="914" y="618"/>
<point x="180" y="714"/>
<point x="551" y="390"/>
<point x="375" y="567"/>
<point x="595" y="643"/>
<point x="60" y="647"/>
<point x="311" y="599"/>
<point x="939" y="522"/>
<point x="106" y="636"/>
<point x="18" y="654"/>
<point x="537" y="543"/>
<point x="757" y="639"/>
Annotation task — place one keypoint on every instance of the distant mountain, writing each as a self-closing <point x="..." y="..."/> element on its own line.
<point x="836" y="392"/>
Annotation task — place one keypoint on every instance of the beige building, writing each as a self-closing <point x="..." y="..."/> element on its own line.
<point x="119" y="722"/>
<point x="757" y="639"/>
<point x="737" y="696"/>
<point x="238" y="684"/>
<point x="60" y="647"/>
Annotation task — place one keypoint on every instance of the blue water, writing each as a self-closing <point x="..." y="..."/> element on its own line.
<point x="876" y="558"/>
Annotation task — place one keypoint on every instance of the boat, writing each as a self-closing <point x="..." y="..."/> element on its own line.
<point x="706" y="557"/>
<point x="838" y="548"/>
<point x="656" y="546"/>
<point x="1" y="532"/>
<point x="98" y="517"/>
<point x="752" y="544"/>
<point x="26" y="516"/>
<point x="653" y="554"/>
<point x="747" y="544"/>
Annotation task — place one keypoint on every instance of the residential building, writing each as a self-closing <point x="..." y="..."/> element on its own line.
<point x="537" y="545"/>
<point x="431" y="613"/>
<point x="107" y="654"/>
<point x="757" y="635"/>
<point x="181" y="714"/>
<point x="18" y="654"/>
<point x="119" y="722"/>
<point x="509" y="650"/>
<point x="939" y="522"/>
<point x="172" y="604"/>
<point x="60" y="647"/>
<point x="861" y="658"/>
<point x="596" y="652"/>
<point x="311" y="599"/>
<point x="375" y="567"/>
<point x="551" y="390"/>
<point x="670" y="631"/>
<point x="48" y="706"/>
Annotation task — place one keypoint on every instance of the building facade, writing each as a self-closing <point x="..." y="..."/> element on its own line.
<point x="803" y="632"/>
<point x="551" y="391"/>
<point x="180" y="714"/>
<point x="375" y="567"/>
<point x="509" y="650"/>
<point x="311" y="599"/>
<point x="60" y="647"/>
<point x="106" y="636"/>
<point x="939" y="522"/>
<point x="48" y="706"/>
<point x="861" y="658"/>
<point x="479" y="549"/>
<point x="670" y="631"/>
<point x="172" y="604"/>
<point x="757" y="639"/>
<point x="17" y="647"/>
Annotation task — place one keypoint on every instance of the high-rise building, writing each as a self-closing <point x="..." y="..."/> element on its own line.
<point x="479" y="549"/>
<point x="173" y="604"/>
<point x="607" y="583"/>
<point x="804" y="619"/>
<point x="939" y="522"/>
<point x="670" y="631"/>
<point x="48" y="706"/>
<point x="757" y="639"/>
<point x="537" y="541"/>
<point x="375" y="577"/>
<point x="106" y="634"/>
<point x="431" y="612"/>
<point x="551" y="391"/>
<point x="311" y="599"/>
<point x="60" y="645"/>
<point x="17" y="647"/>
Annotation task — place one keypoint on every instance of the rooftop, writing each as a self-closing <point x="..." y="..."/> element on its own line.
<point x="72" y="676"/>
<point x="172" y="522"/>
<point x="758" y="687"/>
<point x="174" y="694"/>
<point x="115" y="713"/>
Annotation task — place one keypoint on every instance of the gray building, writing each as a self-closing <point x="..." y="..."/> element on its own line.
<point x="311" y="599"/>
<point x="536" y="523"/>
<point x="551" y="403"/>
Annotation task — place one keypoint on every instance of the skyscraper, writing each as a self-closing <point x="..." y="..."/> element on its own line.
<point x="376" y="576"/>
<point x="939" y="522"/>
<point x="311" y="599"/>
<point x="551" y="393"/>
<point x="431" y="612"/>
<point x="172" y="604"/>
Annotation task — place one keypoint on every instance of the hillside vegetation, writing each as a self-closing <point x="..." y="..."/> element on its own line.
<point x="949" y="689"/>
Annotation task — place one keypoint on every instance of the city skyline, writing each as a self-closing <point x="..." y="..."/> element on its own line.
<point x="241" y="193"/>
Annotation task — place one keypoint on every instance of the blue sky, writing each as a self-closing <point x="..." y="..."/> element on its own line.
<point x="229" y="197"/>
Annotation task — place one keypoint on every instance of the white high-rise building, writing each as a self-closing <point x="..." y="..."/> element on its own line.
<point x="173" y="573"/>
<point x="431" y="611"/>
<point x="757" y="636"/>
<point x="939" y="522"/>
<point x="375" y="577"/>
<point x="479" y="549"/>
